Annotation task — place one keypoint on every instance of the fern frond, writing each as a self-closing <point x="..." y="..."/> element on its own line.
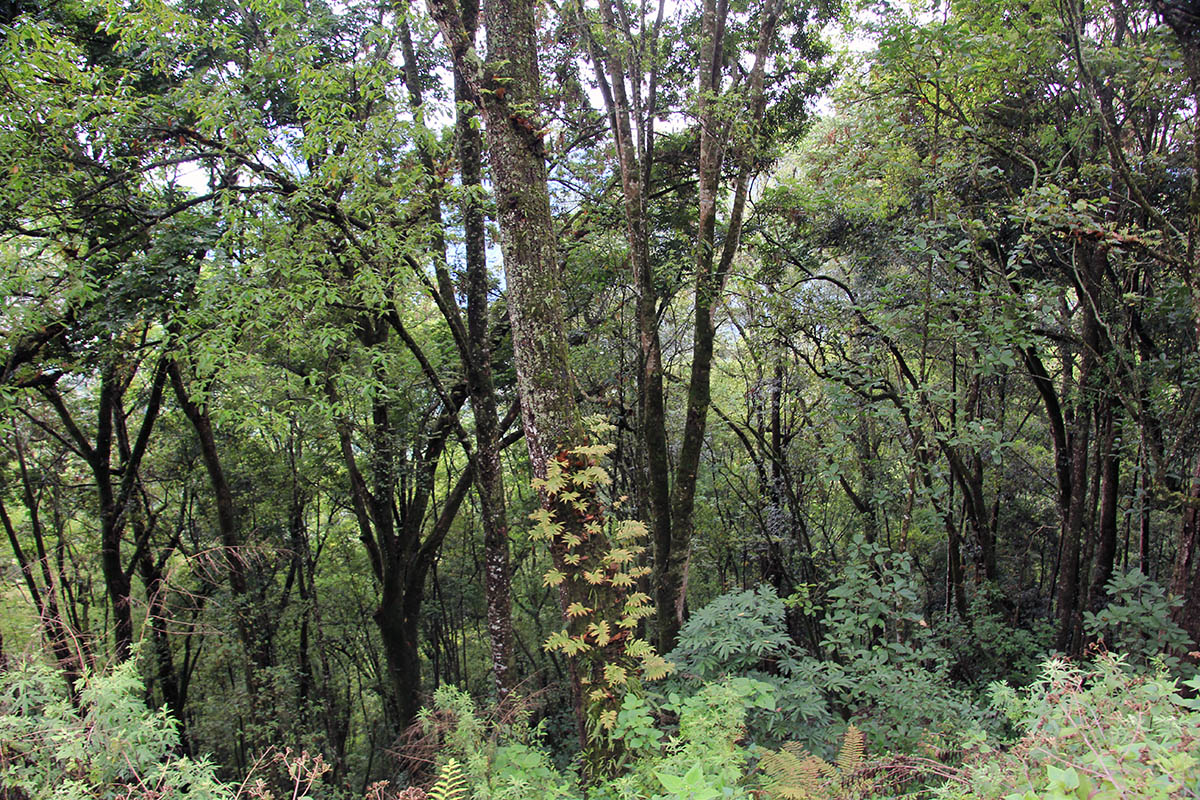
<point x="794" y="774"/>
<point x="784" y="775"/>
<point x="451" y="783"/>
<point x="818" y="769"/>
<point x="796" y="749"/>
<point x="850" y="759"/>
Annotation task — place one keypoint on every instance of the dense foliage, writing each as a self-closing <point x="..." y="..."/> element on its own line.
<point x="495" y="399"/>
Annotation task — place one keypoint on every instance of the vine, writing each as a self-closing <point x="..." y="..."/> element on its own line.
<point x="596" y="570"/>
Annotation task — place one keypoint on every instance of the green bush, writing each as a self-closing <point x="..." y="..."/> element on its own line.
<point x="991" y="646"/>
<point x="883" y="669"/>
<point x="501" y="761"/>
<point x="745" y="634"/>
<point x="110" y="746"/>
<point x="703" y="759"/>
<point x="1095" y="733"/>
<point x="1137" y="622"/>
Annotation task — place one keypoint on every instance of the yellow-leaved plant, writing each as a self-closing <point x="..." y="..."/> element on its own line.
<point x="792" y="773"/>
<point x="596" y="570"/>
<point x="451" y="783"/>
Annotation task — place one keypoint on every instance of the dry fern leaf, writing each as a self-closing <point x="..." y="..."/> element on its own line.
<point x="786" y="778"/>
<point x="795" y="774"/>
<point x="850" y="759"/>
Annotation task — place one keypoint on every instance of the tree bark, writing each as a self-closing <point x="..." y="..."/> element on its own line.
<point x="1184" y="20"/>
<point x="58" y="632"/>
<point x="1106" y="531"/>
<point x="670" y="500"/>
<point x="1091" y="270"/>
<point x="507" y="91"/>
<point x="113" y="499"/>
<point x="710" y="282"/>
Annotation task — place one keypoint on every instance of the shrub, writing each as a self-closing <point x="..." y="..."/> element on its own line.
<point x="500" y="761"/>
<point x="1137" y="621"/>
<point x="745" y="634"/>
<point x="111" y="745"/>
<point x="704" y="759"/>
<point x="993" y="644"/>
<point x="883" y="669"/>
<point x="1099" y="732"/>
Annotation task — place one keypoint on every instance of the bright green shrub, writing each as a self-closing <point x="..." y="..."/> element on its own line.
<point x="111" y="746"/>
<point x="883" y="665"/>
<point x="500" y="762"/>
<point x="883" y="668"/>
<point x="711" y="725"/>
<point x="507" y="762"/>
<point x="735" y="633"/>
<point x="1094" y="733"/>
<point x="636" y="726"/>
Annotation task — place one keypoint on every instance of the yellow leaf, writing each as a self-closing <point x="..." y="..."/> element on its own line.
<point x="557" y="641"/>
<point x="615" y="675"/>
<point x="622" y="579"/>
<point x="655" y="667"/>
<point x="600" y="632"/>
<point x="630" y="529"/>
<point x="636" y="648"/>
<point x="619" y="556"/>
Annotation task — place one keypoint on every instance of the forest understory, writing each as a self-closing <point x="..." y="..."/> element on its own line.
<point x="507" y="399"/>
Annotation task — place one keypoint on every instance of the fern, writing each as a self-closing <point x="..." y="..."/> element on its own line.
<point x="850" y="758"/>
<point x="792" y="773"/>
<point x="451" y="783"/>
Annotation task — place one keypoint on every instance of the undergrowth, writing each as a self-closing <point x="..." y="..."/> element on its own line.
<point x="108" y="744"/>
<point x="747" y="716"/>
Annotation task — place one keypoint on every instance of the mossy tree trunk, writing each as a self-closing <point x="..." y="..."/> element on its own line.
<point x="506" y="90"/>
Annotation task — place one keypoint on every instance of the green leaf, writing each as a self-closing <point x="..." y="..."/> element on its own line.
<point x="1067" y="778"/>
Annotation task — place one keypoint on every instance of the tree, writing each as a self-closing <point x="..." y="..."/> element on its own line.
<point x="734" y="140"/>
<point x="506" y="90"/>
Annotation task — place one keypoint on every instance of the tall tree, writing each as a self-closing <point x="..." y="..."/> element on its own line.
<point x="733" y="145"/>
<point x="506" y="89"/>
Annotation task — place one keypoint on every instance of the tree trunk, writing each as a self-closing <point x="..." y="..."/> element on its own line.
<point x="59" y="634"/>
<point x="1076" y="518"/>
<point x="710" y="279"/>
<point x="256" y="637"/>
<point x="634" y="158"/>
<point x="507" y="90"/>
<point x="150" y="571"/>
<point x="398" y="635"/>
<point x="1185" y="575"/>
<point x="1106" y="531"/>
<point x="489" y="475"/>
